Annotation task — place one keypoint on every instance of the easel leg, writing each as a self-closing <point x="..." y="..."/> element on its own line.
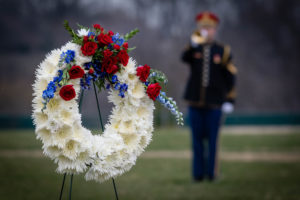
<point x="115" y="188"/>
<point x="62" y="186"/>
<point x="102" y="127"/>
<point x="70" y="191"/>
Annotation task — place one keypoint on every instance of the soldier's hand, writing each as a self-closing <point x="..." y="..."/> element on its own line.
<point x="227" y="107"/>
<point x="193" y="43"/>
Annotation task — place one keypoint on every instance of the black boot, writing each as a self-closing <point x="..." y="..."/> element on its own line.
<point x="198" y="179"/>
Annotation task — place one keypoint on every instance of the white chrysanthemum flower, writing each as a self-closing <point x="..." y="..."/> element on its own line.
<point x="53" y="58"/>
<point x="39" y="86"/>
<point x="40" y="119"/>
<point x="71" y="149"/>
<point x="66" y="165"/>
<point x="131" y="141"/>
<point x="44" y="135"/>
<point x="138" y="91"/>
<point x="81" y="59"/>
<point x="52" y="151"/>
<point x="83" y="32"/>
<point x="62" y="135"/>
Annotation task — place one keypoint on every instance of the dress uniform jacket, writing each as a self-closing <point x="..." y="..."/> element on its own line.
<point x="212" y="77"/>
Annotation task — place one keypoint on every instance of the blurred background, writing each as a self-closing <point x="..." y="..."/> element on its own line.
<point x="264" y="37"/>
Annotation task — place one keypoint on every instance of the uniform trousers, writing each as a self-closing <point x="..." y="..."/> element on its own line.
<point x="205" y="124"/>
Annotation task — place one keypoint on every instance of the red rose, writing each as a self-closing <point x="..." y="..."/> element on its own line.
<point x="117" y="47"/>
<point x="91" y="71"/>
<point x="97" y="26"/>
<point x="108" y="62"/>
<point x="76" y="72"/>
<point x="85" y="39"/>
<point x="112" y="69"/>
<point x="89" y="48"/>
<point x="143" y="72"/>
<point x="123" y="57"/>
<point x="125" y="45"/>
<point x="110" y="33"/>
<point x="153" y="90"/>
<point x="104" y="39"/>
<point x="107" y="53"/>
<point x="67" y="92"/>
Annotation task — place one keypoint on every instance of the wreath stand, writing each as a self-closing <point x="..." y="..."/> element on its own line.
<point x="102" y="128"/>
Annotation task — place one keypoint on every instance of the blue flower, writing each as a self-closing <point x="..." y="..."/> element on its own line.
<point x="85" y="82"/>
<point x="124" y="87"/>
<point x="91" y="33"/>
<point x="120" y="41"/>
<point x="68" y="56"/>
<point x="152" y="74"/>
<point x="117" y="86"/>
<point x="114" y="79"/>
<point x="173" y="111"/>
<point x="110" y="46"/>
<point x="88" y="65"/>
<point x="107" y="86"/>
<point x="161" y="99"/>
<point x="59" y="77"/>
<point x="49" y="92"/>
<point x="117" y="39"/>
<point x="102" y="74"/>
<point x="121" y="94"/>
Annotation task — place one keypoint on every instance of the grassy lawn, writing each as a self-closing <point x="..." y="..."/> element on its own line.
<point x="179" y="139"/>
<point x="35" y="178"/>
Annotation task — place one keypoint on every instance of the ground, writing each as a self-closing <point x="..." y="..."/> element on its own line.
<point x="253" y="166"/>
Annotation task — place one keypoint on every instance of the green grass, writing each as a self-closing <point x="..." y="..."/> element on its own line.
<point x="35" y="178"/>
<point x="18" y="139"/>
<point x="176" y="139"/>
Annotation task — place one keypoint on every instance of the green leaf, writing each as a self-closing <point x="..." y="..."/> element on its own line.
<point x="100" y="84"/>
<point x="159" y="77"/>
<point x="75" y="38"/>
<point x="130" y="49"/>
<point x="131" y="34"/>
<point x="82" y="27"/>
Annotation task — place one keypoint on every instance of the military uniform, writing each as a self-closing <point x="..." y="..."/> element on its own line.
<point x="212" y="76"/>
<point x="211" y="83"/>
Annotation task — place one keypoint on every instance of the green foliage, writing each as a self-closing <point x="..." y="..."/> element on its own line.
<point x="65" y="76"/>
<point x="131" y="34"/>
<point x="100" y="83"/>
<point x="157" y="76"/>
<point x="75" y="38"/>
<point x="130" y="49"/>
<point x="98" y="55"/>
<point x="82" y="27"/>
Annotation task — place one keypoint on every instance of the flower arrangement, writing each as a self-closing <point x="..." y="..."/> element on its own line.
<point x="98" y="56"/>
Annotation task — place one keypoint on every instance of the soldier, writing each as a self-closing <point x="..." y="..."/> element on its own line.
<point x="210" y="89"/>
